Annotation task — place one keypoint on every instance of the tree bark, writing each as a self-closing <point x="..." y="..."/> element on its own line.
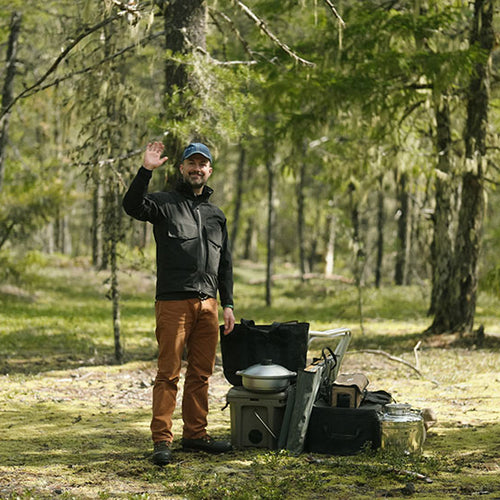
<point x="380" y="232"/>
<point x="10" y="71"/>
<point x="96" y="224"/>
<point x="402" y="233"/>
<point x="185" y="29"/>
<point x="115" y="287"/>
<point x="442" y="245"/>
<point x="461" y="305"/>
<point x="240" y="178"/>
<point x="271" y="215"/>
<point x="301" y="216"/>
<point x="359" y="252"/>
<point x="249" y="244"/>
<point x="330" y="248"/>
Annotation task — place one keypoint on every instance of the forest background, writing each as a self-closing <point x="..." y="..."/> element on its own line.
<point x="355" y="143"/>
<point x="356" y="139"/>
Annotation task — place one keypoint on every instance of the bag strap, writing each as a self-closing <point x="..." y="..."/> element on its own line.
<point x="250" y="323"/>
<point x="330" y="363"/>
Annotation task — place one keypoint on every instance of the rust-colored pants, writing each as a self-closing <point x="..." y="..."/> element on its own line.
<point x="192" y="323"/>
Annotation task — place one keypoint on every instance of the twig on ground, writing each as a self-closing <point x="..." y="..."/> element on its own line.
<point x="390" y="356"/>
<point x="416" y="475"/>
<point x="417" y="358"/>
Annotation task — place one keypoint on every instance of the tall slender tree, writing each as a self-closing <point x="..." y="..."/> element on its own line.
<point x="455" y="310"/>
<point x="7" y="92"/>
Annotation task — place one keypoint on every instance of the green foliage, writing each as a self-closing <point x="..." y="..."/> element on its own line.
<point x="20" y="269"/>
<point x="29" y="205"/>
<point x="363" y="112"/>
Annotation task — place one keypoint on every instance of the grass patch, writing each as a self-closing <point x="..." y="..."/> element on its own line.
<point x="74" y="425"/>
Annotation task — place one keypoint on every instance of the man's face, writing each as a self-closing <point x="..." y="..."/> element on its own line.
<point x="195" y="171"/>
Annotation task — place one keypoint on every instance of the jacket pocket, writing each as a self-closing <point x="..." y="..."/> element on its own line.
<point x="214" y="237"/>
<point x="184" y="231"/>
<point x="182" y="245"/>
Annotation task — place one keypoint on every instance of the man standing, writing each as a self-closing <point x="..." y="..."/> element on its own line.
<point x="193" y="261"/>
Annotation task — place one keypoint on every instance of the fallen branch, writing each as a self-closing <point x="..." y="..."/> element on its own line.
<point x="415" y="351"/>
<point x="416" y="475"/>
<point x="389" y="356"/>
<point x="394" y="358"/>
<point x="375" y="467"/>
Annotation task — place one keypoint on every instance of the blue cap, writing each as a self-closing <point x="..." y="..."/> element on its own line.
<point x="197" y="148"/>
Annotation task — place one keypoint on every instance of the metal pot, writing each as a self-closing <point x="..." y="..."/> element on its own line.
<point x="403" y="428"/>
<point x="266" y="377"/>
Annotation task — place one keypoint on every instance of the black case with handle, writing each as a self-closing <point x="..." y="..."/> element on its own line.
<point x="343" y="431"/>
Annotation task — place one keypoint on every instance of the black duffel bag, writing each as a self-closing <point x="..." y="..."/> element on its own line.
<point x="249" y="344"/>
<point x="343" y="431"/>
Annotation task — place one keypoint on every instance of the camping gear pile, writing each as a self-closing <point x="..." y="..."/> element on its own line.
<point x="279" y="402"/>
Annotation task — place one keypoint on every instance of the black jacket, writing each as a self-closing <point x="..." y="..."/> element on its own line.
<point x="192" y="253"/>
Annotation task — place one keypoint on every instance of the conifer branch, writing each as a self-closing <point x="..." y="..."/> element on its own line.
<point x="64" y="53"/>
<point x="337" y="15"/>
<point x="263" y="27"/>
<point x="87" y="69"/>
<point x="223" y="63"/>
<point x="234" y="30"/>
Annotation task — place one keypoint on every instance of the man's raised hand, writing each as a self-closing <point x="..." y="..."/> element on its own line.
<point x="152" y="156"/>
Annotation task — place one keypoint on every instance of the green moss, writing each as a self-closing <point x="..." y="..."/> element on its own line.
<point x="75" y="426"/>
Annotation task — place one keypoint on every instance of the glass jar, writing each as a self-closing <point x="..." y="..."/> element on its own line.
<point x="402" y="429"/>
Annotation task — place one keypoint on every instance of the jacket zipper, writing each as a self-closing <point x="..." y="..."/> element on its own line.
<point x="202" y="251"/>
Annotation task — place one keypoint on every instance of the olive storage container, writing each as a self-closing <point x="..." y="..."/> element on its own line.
<point x="256" y="418"/>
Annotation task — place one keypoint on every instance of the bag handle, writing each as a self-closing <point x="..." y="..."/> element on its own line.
<point x="330" y="359"/>
<point x="250" y="323"/>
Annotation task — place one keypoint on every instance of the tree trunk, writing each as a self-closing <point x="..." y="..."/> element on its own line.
<point x="463" y="289"/>
<point x="441" y="246"/>
<point x="402" y="233"/>
<point x="359" y="253"/>
<point x="240" y="179"/>
<point x="301" y="217"/>
<point x="10" y="71"/>
<point x="313" y="245"/>
<point x="248" y="247"/>
<point x="270" y="227"/>
<point x="380" y="232"/>
<point x="470" y="224"/>
<point x="330" y="248"/>
<point x="113" y="228"/>
<point x="115" y="288"/>
<point x="62" y="236"/>
<point x="185" y="28"/>
<point x="96" y="224"/>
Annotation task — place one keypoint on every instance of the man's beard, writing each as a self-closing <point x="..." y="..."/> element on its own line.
<point x="195" y="181"/>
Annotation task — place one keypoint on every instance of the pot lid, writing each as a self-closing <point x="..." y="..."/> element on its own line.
<point x="398" y="408"/>
<point x="267" y="370"/>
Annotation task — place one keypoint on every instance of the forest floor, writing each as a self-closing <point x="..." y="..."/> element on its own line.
<point x="74" y="425"/>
